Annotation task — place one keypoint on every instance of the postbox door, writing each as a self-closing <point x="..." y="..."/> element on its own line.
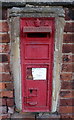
<point x="36" y="86"/>
<point x="36" y="63"/>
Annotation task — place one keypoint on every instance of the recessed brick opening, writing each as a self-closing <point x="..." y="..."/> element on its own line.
<point x="15" y="48"/>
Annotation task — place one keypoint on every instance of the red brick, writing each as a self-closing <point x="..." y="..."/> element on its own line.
<point x="69" y="14"/>
<point x="2" y="86"/>
<point x="4" y="13"/>
<point x="10" y="102"/>
<point x="69" y="27"/>
<point x="68" y="48"/>
<point x="4" y="58"/>
<point x="72" y="58"/>
<point x="5" y="77"/>
<point x="1" y="117"/>
<point x="68" y="68"/>
<point x="67" y="94"/>
<point x="66" y="76"/>
<point x="2" y="101"/>
<point x="68" y="38"/>
<point x="67" y="116"/>
<point x="4" y="48"/>
<point x="7" y="101"/>
<point x="9" y="86"/>
<point x="1" y="68"/>
<point x="4" y="68"/>
<point x="8" y="94"/>
<point x="4" y="38"/>
<point x="67" y="85"/>
<point x="4" y="27"/>
<point x="66" y="109"/>
<point x="67" y="58"/>
<point x="67" y="102"/>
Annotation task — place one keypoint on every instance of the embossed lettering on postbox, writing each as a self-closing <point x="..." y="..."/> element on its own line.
<point x="36" y="29"/>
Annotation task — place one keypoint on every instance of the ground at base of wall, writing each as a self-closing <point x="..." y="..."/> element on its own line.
<point x="39" y="116"/>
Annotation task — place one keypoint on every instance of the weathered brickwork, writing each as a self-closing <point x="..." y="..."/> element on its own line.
<point x="4" y="38"/>
<point x="66" y="106"/>
<point x="68" y="38"/>
<point x="6" y="82"/>
<point x="4" y="13"/>
<point x="4" y="27"/>
<point x="67" y="80"/>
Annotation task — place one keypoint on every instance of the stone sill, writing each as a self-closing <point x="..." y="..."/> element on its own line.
<point x="35" y="116"/>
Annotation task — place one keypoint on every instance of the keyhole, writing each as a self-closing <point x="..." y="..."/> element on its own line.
<point x="31" y="91"/>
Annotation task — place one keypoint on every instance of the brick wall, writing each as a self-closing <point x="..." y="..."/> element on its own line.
<point x="66" y="106"/>
<point x="67" y="79"/>
<point x="6" y="81"/>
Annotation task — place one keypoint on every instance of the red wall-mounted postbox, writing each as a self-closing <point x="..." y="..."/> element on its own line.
<point x="37" y="45"/>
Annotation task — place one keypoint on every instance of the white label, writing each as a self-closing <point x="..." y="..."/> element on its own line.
<point x="39" y="73"/>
